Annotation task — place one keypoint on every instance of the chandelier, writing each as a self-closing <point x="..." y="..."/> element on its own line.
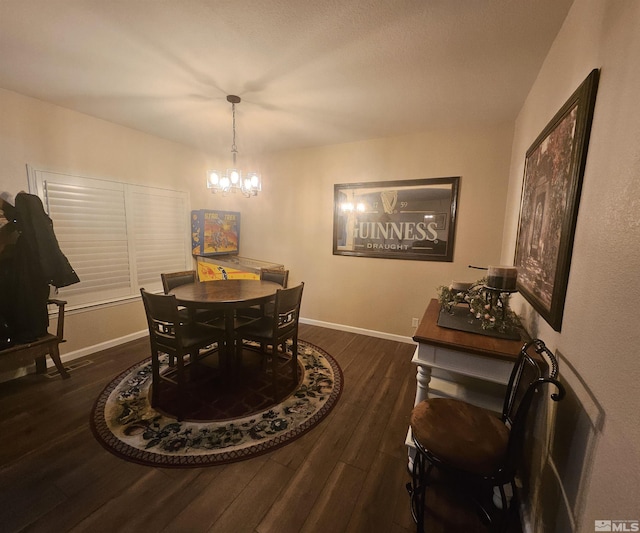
<point x="232" y="180"/>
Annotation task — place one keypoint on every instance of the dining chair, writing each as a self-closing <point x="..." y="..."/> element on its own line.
<point x="479" y="449"/>
<point x="277" y="275"/>
<point x="170" y="334"/>
<point x="275" y="331"/>
<point x="171" y="280"/>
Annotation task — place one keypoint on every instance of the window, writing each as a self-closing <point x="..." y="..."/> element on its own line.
<point x="118" y="237"/>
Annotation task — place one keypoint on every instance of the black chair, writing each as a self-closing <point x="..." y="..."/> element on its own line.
<point x="171" y="280"/>
<point x="170" y="334"/>
<point x="275" y="331"/>
<point x="475" y="446"/>
<point x="276" y="275"/>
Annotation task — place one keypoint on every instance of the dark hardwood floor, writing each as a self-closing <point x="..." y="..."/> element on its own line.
<point x="348" y="474"/>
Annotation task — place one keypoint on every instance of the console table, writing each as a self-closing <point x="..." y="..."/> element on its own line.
<point x="458" y="364"/>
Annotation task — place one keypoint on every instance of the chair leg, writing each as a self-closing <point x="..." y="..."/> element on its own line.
<point x="294" y="361"/>
<point x="41" y="364"/>
<point x="181" y="387"/>
<point x="417" y="489"/>
<point x="238" y="364"/>
<point x="155" y="378"/>
<point x="274" y="371"/>
<point x="502" y="523"/>
<point x="55" y="356"/>
<point x="238" y="359"/>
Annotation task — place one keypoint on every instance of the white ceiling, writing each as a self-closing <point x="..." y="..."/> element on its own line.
<point x="310" y="72"/>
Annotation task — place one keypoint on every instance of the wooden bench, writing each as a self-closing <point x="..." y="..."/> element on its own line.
<point x="21" y="355"/>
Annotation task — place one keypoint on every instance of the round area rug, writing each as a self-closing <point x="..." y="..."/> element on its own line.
<point x="124" y="422"/>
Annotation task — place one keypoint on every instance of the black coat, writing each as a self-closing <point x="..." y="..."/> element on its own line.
<point x="28" y="268"/>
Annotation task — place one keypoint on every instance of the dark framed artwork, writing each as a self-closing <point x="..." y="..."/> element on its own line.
<point x="554" y="167"/>
<point x="405" y="219"/>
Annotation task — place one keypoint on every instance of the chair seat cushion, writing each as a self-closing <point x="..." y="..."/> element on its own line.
<point x="260" y="328"/>
<point x="200" y="315"/>
<point x="250" y="312"/>
<point x="461" y="435"/>
<point x="196" y="334"/>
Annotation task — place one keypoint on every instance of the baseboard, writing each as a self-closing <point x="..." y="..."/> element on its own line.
<point x="88" y="350"/>
<point x="330" y="325"/>
<point x="76" y="354"/>
<point x="359" y="331"/>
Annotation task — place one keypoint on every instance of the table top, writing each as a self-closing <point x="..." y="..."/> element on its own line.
<point x="226" y="293"/>
<point x="430" y="333"/>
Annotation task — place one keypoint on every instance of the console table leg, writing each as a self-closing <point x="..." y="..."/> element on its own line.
<point x="423" y="378"/>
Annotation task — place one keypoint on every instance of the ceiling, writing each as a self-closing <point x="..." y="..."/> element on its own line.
<point x="309" y="72"/>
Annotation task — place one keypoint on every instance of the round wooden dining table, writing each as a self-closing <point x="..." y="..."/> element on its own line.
<point x="226" y="295"/>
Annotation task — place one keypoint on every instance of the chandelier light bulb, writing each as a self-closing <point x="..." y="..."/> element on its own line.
<point x="213" y="179"/>
<point x="255" y="181"/>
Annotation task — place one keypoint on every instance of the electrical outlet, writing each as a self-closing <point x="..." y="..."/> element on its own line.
<point x="414" y="322"/>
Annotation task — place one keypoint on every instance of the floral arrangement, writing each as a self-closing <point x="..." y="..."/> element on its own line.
<point x="490" y="308"/>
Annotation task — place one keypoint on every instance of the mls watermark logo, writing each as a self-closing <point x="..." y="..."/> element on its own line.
<point x="617" y="525"/>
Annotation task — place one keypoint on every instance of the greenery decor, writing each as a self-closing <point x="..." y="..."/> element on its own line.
<point x="489" y="307"/>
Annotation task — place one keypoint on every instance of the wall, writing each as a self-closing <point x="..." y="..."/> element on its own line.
<point x="295" y="227"/>
<point x="53" y="138"/>
<point x="290" y="222"/>
<point x="593" y="471"/>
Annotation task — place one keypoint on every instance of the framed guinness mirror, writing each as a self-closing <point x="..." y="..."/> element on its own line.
<point x="406" y="219"/>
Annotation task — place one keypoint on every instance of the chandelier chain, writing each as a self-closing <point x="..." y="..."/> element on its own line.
<point x="234" y="148"/>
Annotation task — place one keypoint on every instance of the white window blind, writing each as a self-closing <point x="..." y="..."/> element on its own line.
<point x="118" y="237"/>
<point x="160" y="224"/>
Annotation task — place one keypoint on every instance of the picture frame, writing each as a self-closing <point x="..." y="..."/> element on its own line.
<point x="403" y="219"/>
<point x="554" y="168"/>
